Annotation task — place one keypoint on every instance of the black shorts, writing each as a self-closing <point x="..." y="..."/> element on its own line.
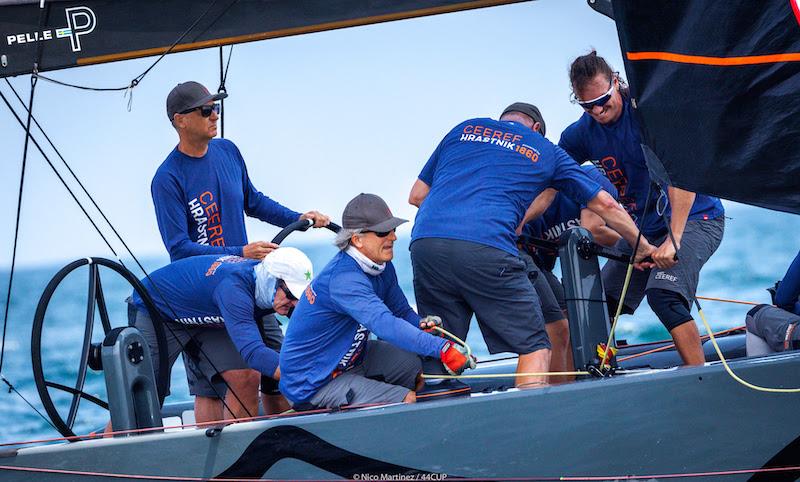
<point x="700" y="239"/>
<point x="455" y="279"/>
<point x="551" y="305"/>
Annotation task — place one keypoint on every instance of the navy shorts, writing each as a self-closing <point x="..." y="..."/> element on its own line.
<point x="700" y="239"/>
<point x="455" y="279"/>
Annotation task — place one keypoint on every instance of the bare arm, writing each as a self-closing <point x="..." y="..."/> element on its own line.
<point x="419" y="191"/>
<point x="600" y="231"/>
<point x="537" y="207"/>
<point x="612" y="213"/>
<point x="681" y="203"/>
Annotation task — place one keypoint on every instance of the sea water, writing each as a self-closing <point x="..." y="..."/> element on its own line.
<point x="757" y="249"/>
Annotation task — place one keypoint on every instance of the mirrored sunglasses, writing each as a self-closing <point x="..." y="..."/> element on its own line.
<point x="599" y="101"/>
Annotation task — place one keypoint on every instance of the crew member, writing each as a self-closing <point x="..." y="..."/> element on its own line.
<point x="472" y="194"/>
<point x="210" y="305"/>
<point x="327" y="358"/>
<point x="201" y="193"/>
<point x="608" y="133"/>
<point x="772" y="328"/>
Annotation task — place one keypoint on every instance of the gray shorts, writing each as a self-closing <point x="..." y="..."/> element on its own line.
<point x="700" y="239"/>
<point x="203" y="369"/>
<point x="771" y="323"/>
<point x="455" y="279"/>
<point x="551" y="308"/>
<point x="386" y="375"/>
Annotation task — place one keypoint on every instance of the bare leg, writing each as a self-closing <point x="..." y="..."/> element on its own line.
<point x="207" y="409"/>
<point x="242" y="386"/>
<point x="274" y="403"/>
<point x="687" y="341"/>
<point x="536" y="362"/>
<point x="561" y="357"/>
<point x="410" y="398"/>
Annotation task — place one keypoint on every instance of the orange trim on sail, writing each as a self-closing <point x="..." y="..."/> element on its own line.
<point x="716" y="61"/>
<point x="423" y="12"/>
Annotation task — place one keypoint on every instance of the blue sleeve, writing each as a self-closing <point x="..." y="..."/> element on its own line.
<point x="172" y="222"/>
<point x="426" y="175"/>
<point x="259" y="206"/>
<point x="570" y="179"/>
<point x="354" y="295"/>
<point x="397" y="302"/>
<point x="237" y="307"/>
<point x="571" y="142"/>
<point x="789" y="287"/>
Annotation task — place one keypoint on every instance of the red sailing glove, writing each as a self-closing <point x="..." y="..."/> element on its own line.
<point x="455" y="360"/>
<point x="428" y="324"/>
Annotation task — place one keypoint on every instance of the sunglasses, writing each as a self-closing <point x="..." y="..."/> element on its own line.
<point x="285" y="289"/>
<point x="599" y="101"/>
<point x="381" y="234"/>
<point x="205" y="110"/>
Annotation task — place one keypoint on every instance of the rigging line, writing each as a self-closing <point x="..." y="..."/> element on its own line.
<point x="724" y="300"/>
<point x="27" y="127"/>
<point x="108" y="244"/>
<point x="728" y="368"/>
<point x="672" y="345"/>
<point x="12" y="388"/>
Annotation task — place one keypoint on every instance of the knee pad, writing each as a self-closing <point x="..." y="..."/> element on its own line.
<point x="669" y="306"/>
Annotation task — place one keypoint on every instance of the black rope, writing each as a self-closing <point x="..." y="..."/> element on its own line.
<point x="105" y="240"/>
<point x="223" y="76"/>
<point x="11" y="388"/>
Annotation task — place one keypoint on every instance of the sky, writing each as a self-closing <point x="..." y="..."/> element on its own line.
<point x="318" y="117"/>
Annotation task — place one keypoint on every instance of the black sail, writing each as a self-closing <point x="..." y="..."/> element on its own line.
<point x="717" y="85"/>
<point x="83" y="32"/>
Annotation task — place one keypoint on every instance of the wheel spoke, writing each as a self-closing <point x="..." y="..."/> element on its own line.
<point x="101" y="306"/>
<point x="87" y="342"/>
<point x="89" y="398"/>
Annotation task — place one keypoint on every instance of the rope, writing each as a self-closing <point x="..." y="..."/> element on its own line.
<point x="11" y="388"/>
<point x="672" y="345"/>
<point x="728" y="368"/>
<point x="724" y="300"/>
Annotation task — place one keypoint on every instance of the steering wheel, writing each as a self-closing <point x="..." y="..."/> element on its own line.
<point x="95" y="300"/>
<point x="301" y="225"/>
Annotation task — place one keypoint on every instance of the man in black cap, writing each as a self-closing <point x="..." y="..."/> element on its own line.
<point x="472" y="194"/>
<point x="201" y="193"/>
<point x="327" y="359"/>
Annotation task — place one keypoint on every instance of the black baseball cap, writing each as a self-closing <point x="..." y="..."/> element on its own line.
<point x="529" y="110"/>
<point x="189" y="95"/>
<point x="370" y="213"/>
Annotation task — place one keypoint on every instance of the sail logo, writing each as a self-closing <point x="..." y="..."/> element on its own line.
<point x="796" y="8"/>
<point x="80" y="21"/>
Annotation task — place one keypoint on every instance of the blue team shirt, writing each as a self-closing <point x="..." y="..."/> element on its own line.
<point x="213" y="291"/>
<point x="483" y="176"/>
<point x="200" y="202"/>
<point x="787" y="295"/>
<point x="332" y="322"/>
<point x="562" y="214"/>
<point x="616" y="148"/>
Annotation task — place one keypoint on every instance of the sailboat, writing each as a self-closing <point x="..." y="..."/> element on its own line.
<point x="644" y="419"/>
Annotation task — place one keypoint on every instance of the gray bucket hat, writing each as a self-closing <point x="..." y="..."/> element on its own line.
<point x="189" y="95"/>
<point x="370" y="213"/>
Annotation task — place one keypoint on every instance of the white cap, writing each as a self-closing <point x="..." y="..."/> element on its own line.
<point x="292" y="266"/>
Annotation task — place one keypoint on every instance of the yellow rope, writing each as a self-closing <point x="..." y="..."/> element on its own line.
<point x="728" y="369"/>
<point x="725" y="300"/>
<point x="620" y="304"/>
